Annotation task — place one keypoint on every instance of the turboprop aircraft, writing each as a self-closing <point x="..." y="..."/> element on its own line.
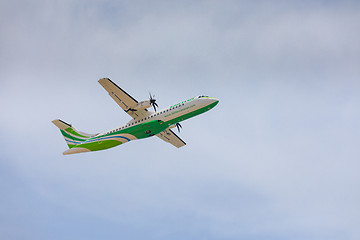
<point x="144" y="123"/>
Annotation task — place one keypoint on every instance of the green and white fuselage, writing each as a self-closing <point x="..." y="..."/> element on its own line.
<point x="143" y="125"/>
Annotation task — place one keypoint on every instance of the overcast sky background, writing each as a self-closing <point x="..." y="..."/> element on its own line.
<point x="277" y="158"/>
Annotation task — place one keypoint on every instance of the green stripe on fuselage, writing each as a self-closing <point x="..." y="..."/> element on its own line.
<point x="183" y="102"/>
<point x="139" y="131"/>
<point x="191" y="114"/>
<point x="99" y="145"/>
<point x="147" y="129"/>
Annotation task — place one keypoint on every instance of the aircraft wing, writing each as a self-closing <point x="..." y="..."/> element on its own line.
<point x="169" y="136"/>
<point x="122" y="98"/>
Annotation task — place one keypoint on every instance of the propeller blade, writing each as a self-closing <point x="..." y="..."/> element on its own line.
<point x="153" y="101"/>
<point x="178" y="125"/>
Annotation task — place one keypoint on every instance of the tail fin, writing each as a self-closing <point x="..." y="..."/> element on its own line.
<point x="72" y="136"/>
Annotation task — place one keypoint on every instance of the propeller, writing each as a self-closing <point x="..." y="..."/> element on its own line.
<point x="178" y="125"/>
<point x="153" y="101"/>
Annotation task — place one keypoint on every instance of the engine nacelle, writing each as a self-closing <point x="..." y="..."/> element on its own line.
<point x="142" y="105"/>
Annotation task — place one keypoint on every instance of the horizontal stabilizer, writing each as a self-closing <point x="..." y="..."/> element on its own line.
<point x="76" y="150"/>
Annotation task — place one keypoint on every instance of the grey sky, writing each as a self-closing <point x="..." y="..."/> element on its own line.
<point x="276" y="159"/>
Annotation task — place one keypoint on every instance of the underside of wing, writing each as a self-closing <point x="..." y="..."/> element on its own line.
<point x="122" y="98"/>
<point x="170" y="137"/>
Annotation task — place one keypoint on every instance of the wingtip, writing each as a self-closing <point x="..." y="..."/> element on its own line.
<point x="104" y="79"/>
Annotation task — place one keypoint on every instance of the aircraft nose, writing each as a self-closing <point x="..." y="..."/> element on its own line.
<point x="209" y="100"/>
<point x="215" y="100"/>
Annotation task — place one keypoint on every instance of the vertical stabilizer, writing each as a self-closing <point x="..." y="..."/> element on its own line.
<point x="72" y="136"/>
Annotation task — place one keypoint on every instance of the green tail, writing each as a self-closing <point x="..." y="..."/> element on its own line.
<point x="71" y="135"/>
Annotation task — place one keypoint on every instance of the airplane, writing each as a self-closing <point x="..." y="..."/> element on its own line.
<point x="144" y="123"/>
